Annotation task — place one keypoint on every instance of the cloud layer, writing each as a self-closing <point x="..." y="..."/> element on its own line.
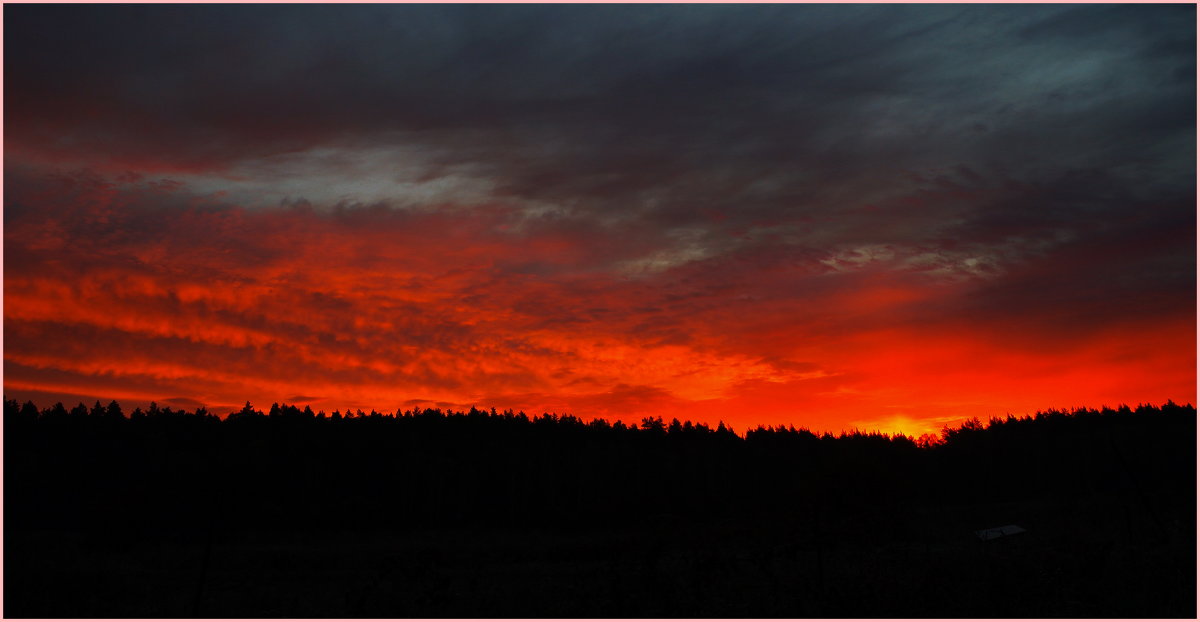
<point x="884" y="216"/>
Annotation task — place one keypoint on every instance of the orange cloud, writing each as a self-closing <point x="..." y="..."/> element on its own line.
<point x="138" y="290"/>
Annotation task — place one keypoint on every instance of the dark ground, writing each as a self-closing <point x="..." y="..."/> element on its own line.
<point x="123" y="544"/>
<point x="1088" y="567"/>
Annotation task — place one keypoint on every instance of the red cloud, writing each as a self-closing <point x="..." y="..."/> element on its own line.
<point x="136" y="290"/>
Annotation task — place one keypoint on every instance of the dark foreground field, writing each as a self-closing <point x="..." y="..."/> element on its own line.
<point x="481" y="515"/>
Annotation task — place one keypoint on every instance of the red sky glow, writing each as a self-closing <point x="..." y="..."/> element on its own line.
<point x="582" y="233"/>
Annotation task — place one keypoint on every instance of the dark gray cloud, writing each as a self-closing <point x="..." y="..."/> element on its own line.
<point x="984" y="139"/>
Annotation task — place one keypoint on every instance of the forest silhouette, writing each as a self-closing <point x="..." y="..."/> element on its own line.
<point x="432" y="513"/>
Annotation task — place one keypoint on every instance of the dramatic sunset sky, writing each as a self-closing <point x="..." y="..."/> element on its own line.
<point x="832" y="216"/>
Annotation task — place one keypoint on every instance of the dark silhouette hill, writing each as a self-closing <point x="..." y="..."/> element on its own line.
<point x="426" y="513"/>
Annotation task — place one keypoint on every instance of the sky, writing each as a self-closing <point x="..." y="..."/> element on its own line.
<point x="882" y="217"/>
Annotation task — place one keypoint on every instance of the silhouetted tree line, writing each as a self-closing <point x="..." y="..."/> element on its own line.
<point x="466" y="514"/>
<point x="290" y="468"/>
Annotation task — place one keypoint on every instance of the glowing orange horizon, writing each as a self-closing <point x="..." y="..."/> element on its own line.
<point x="385" y="309"/>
